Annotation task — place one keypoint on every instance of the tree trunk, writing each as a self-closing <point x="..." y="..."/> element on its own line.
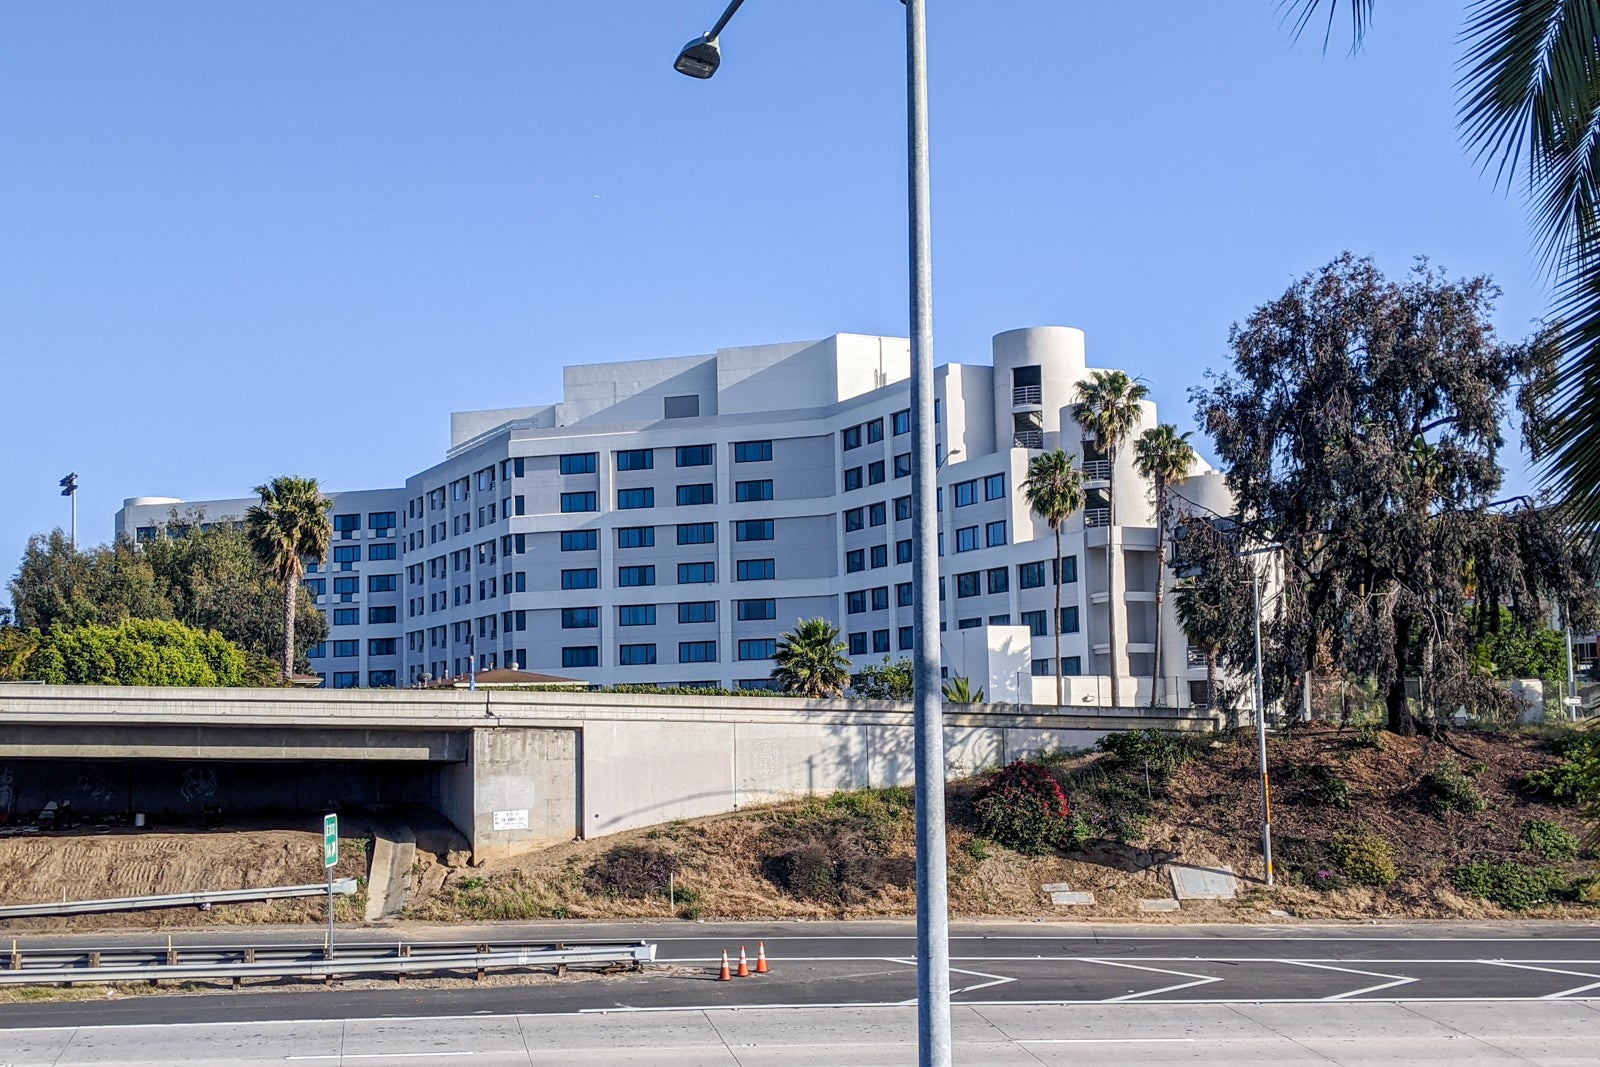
<point x="1161" y="573"/>
<point x="291" y="586"/>
<point x="1111" y="576"/>
<point x="1395" y="697"/>
<point x="1057" y="627"/>
<point x="1211" y="689"/>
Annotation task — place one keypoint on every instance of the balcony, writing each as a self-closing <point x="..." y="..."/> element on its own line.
<point x="1028" y="439"/>
<point x="1027" y="394"/>
<point x="1097" y="470"/>
<point x="1093" y="517"/>
<point x="1196" y="657"/>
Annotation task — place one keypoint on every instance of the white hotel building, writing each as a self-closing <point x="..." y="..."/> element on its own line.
<point x="670" y="518"/>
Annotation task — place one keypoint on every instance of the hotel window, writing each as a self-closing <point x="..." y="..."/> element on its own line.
<point x="852" y="478"/>
<point x="903" y="594"/>
<point x="880" y="598"/>
<point x="855" y="560"/>
<point x="577" y="463"/>
<point x="757" y="648"/>
<point x="636" y="576"/>
<point x="877" y="514"/>
<point x="752" y="451"/>
<point x="854" y="519"/>
<point x="968" y="584"/>
<point x="636" y="459"/>
<point x="387" y="550"/>
<point x="576" y="618"/>
<point x="1069" y="619"/>
<point x="757" y="610"/>
<point x="383" y="583"/>
<point x="581" y="578"/>
<point x="902" y="465"/>
<point x="1069" y="569"/>
<point x="1037" y="622"/>
<point x="902" y="551"/>
<point x="345" y="557"/>
<point x="697" y="652"/>
<point x="966" y="493"/>
<point x="636" y="655"/>
<point x="630" y="499"/>
<point x="880" y="640"/>
<point x="380" y="520"/>
<point x="697" y="533"/>
<point x="902" y="508"/>
<point x="696" y="455"/>
<point x="696" y="573"/>
<point x="380" y="679"/>
<point x="581" y="656"/>
<point x="380" y="646"/>
<point x="636" y="615"/>
<point x="752" y="570"/>
<point x="994" y="487"/>
<point x="753" y="530"/>
<point x="858" y="644"/>
<point x="966" y="539"/>
<point x="703" y="493"/>
<point x="382" y="615"/>
<point x="636" y="537"/>
<point x="901" y="421"/>
<point x="579" y="540"/>
<point x="852" y="438"/>
<point x="316" y="586"/>
<point x="968" y="624"/>
<point x="875" y="430"/>
<point x="317" y="651"/>
<point x="906" y="633"/>
<point x="346" y="525"/>
<point x="880" y="556"/>
<point x="347" y="616"/>
<point x="573" y="502"/>
<point x="875" y="472"/>
<point x="697" y="611"/>
<point x="346" y="679"/>
<point x="1071" y="666"/>
<point x="744" y="492"/>
<point x="855" y="602"/>
<point x="1030" y="575"/>
<point x="346" y="587"/>
<point x="346" y="649"/>
<point x="994" y="533"/>
<point x="999" y="579"/>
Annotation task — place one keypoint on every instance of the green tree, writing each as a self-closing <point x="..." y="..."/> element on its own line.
<point x="17" y="647"/>
<point x="1163" y="455"/>
<point x="213" y="580"/>
<point x="59" y="585"/>
<point x="1320" y="426"/>
<point x="958" y="690"/>
<point x="1054" y="490"/>
<point x="289" y="526"/>
<point x="1108" y="407"/>
<point x="889" y="681"/>
<point x="1507" y="647"/>
<point x="136" y="652"/>
<point x="811" y="660"/>
<point x="1529" y="100"/>
<point x="1208" y="599"/>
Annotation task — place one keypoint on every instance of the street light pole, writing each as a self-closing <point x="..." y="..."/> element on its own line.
<point x="700" y="58"/>
<point x="69" y="488"/>
<point x="1261" y="729"/>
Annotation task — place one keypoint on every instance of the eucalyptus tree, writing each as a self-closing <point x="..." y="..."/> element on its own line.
<point x="1054" y="490"/>
<point x="1163" y="455"/>
<point x="1108" y="407"/>
<point x="289" y="526"/>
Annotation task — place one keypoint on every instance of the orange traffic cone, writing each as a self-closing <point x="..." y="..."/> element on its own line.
<point x="744" y="964"/>
<point x="725" y="976"/>
<point x="761" y="957"/>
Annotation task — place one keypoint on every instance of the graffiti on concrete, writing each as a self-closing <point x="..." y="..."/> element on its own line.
<point x="199" y="784"/>
<point x="96" y="787"/>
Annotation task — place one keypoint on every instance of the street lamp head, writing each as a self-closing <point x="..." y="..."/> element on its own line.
<point x="699" y="58"/>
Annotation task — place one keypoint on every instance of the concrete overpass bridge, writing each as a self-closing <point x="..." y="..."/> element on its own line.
<point x="513" y="770"/>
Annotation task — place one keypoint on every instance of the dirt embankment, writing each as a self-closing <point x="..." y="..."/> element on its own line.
<point x="1365" y="825"/>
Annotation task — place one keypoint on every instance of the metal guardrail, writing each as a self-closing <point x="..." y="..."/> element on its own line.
<point x="1097" y="470"/>
<point x="46" y="967"/>
<point x="341" y="887"/>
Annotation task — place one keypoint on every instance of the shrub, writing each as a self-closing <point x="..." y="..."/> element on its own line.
<point x="1516" y="886"/>
<point x="835" y="869"/>
<point x="1550" y="840"/>
<point x="1364" y="857"/>
<point x="636" y="871"/>
<point x="1023" y="808"/>
<point x="1156" y="749"/>
<point x="1453" y="789"/>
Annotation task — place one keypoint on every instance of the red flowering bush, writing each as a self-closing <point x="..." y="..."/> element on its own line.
<point x="1023" y="808"/>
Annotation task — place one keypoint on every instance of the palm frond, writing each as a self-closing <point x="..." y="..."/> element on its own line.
<point x="1298" y="13"/>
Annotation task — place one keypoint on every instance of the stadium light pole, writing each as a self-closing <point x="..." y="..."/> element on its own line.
<point x="69" y="488"/>
<point x="700" y="58"/>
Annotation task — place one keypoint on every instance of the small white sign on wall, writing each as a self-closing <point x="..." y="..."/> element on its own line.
<point x="511" y="820"/>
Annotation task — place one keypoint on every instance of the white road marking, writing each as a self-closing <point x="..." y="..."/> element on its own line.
<point x="1103" y="1040"/>
<point x="1523" y="966"/>
<point x="1397" y="979"/>
<point x="380" y="1055"/>
<point x="1199" y="979"/>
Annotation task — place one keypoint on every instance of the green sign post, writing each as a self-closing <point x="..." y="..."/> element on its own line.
<point x="330" y="860"/>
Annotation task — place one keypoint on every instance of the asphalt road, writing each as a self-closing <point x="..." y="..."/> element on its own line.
<point x="873" y="964"/>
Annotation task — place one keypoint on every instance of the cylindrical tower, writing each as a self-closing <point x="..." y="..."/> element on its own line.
<point x="1036" y="372"/>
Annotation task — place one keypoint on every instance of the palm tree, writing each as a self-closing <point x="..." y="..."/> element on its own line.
<point x="1164" y="456"/>
<point x="1054" y="490"/>
<point x="288" y="527"/>
<point x="811" y="660"/>
<point x="1528" y="98"/>
<point x="958" y="690"/>
<point x="1108" y="407"/>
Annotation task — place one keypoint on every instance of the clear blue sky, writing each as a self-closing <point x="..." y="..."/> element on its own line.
<point x="244" y="240"/>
